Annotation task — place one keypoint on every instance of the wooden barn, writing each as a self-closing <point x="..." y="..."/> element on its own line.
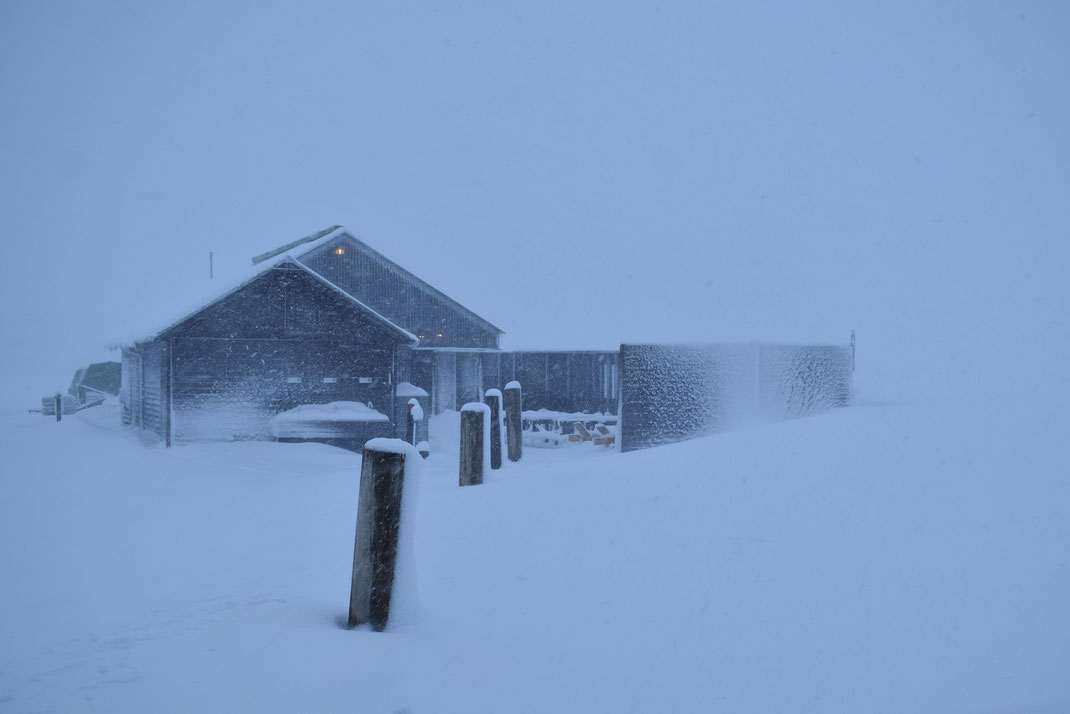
<point x="328" y="320"/>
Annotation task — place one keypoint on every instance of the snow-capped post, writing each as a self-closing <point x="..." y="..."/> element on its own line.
<point x="513" y="420"/>
<point x="475" y="443"/>
<point x="382" y="479"/>
<point x="493" y="399"/>
<point x="415" y="413"/>
<point x="59" y="407"/>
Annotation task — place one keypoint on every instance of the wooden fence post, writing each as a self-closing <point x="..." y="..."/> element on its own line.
<point x="59" y="407"/>
<point x="382" y="478"/>
<point x="493" y="399"/>
<point x="513" y="424"/>
<point x="474" y="432"/>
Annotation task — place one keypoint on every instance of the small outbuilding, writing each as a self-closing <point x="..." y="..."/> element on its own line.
<point x="323" y="320"/>
<point x="281" y="339"/>
<point x="96" y="382"/>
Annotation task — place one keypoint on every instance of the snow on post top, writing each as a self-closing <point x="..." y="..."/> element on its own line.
<point x="476" y="407"/>
<point x="393" y="446"/>
<point x="407" y="389"/>
<point x="513" y="385"/>
<point x="415" y="410"/>
<point x="493" y="393"/>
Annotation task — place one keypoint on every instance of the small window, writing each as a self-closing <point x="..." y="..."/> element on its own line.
<point x="340" y="250"/>
<point x="330" y="380"/>
<point x="293" y="380"/>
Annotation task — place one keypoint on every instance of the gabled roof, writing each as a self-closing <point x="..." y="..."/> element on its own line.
<point x="303" y="247"/>
<point x="195" y="304"/>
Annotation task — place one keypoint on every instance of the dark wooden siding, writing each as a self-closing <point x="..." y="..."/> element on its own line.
<point x="143" y="394"/>
<point x="564" y="381"/>
<point x="283" y="340"/>
<point x="153" y="372"/>
<point x="230" y="388"/>
<point x="130" y="387"/>
<point x="287" y="302"/>
<point x="437" y="321"/>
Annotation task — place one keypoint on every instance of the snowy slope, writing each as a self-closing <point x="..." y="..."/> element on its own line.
<point x="886" y="557"/>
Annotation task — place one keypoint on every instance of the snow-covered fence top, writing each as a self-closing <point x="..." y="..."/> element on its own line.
<point x="672" y="393"/>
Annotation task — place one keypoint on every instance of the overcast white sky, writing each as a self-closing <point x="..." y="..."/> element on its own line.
<point x="578" y="173"/>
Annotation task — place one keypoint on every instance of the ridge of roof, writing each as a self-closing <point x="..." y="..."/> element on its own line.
<point x="312" y="238"/>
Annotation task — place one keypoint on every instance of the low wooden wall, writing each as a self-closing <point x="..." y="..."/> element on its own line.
<point x="672" y="393"/>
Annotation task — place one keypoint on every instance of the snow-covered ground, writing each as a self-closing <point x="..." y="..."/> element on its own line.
<point x="581" y="176"/>
<point x="886" y="557"/>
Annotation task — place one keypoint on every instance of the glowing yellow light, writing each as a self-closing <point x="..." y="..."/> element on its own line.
<point x="339" y="250"/>
<point x="438" y="335"/>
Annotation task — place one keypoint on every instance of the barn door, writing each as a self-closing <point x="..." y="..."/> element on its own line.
<point x="469" y="379"/>
<point x="444" y="387"/>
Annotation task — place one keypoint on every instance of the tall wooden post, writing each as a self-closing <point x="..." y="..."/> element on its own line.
<point x="493" y="399"/>
<point x="513" y="424"/>
<point x="59" y="407"/>
<point x="382" y="478"/>
<point x="473" y="441"/>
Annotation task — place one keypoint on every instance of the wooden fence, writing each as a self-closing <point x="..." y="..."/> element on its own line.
<point x="671" y="393"/>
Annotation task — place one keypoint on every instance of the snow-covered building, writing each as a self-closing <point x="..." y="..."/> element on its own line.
<point x="327" y="319"/>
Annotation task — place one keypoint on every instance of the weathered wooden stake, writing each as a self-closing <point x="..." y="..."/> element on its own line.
<point x="513" y="420"/>
<point x="473" y="416"/>
<point x="493" y="399"/>
<point x="382" y="478"/>
<point x="59" y="407"/>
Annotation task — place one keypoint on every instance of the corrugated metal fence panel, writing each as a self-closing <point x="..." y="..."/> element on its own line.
<point x="672" y="393"/>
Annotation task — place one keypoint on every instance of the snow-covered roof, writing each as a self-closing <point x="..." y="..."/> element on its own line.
<point x="407" y="389"/>
<point x="194" y="301"/>
<point x="306" y="246"/>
